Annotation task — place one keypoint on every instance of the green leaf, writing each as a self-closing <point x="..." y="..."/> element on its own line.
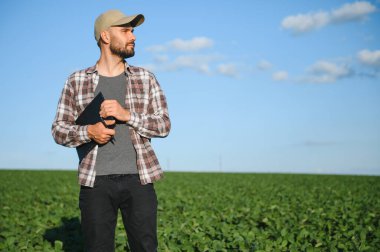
<point x="58" y="245"/>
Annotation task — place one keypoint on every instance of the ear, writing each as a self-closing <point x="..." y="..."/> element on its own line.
<point x="105" y="36"/>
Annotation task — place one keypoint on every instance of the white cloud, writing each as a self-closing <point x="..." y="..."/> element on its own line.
<point x="264" y="65"/>
<point x="280" y="75"/>
<point x="157" y="48"/>
<point x="228" y="70"/>
<point x="302" y="23"/>
<point x="161" y="58"/>
<point x="200" y="63"/>
<point x="192" y="45"/>
<point x="326" y="72"/>
<point x="150" y="67"/>
<point x="305" y="22"/>
<point x="370" y="58"/>
<point x="352" y="11"/>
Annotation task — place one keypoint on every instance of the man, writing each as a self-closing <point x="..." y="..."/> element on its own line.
<point x="118" y="173"/>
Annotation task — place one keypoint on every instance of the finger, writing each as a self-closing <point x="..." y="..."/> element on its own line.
<point x="99" y="126"/>
<point x="109" y="132"/>
<point x="99" y="140"/>
<point x="106" y="137"/>
<point x="102" y="112"/>
<point x="110" y="122"/>
<point x="104" y="105"/>
<point x="103" y="138"/>
<point x="105" y="112"/>
<point x="105" y="102"/>
<point x="108" y="102"/>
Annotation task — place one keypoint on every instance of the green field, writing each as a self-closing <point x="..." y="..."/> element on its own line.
<point x="205" y="212"/>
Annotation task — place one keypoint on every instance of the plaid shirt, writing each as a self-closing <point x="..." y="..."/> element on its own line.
<point x="149" y="118"/>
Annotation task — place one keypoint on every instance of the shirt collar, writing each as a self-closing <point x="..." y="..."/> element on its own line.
<point x="94" y="69"/>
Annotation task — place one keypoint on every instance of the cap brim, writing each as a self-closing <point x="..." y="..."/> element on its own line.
<point x="133" y="21"/>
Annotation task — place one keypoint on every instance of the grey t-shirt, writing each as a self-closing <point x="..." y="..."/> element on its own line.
<point x="118" y="157"/>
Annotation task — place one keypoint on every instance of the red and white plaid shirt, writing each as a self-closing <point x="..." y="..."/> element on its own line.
<point x="149" y="118"/>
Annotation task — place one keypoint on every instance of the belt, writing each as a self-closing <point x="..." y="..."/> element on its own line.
<point x="112" y="176"/>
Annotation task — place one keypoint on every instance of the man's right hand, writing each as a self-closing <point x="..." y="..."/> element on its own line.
<point x="99" y="133"/>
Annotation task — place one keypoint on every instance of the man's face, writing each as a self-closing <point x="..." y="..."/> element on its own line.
<point x="122" y="41"/>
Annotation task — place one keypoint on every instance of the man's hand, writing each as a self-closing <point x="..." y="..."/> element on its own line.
<point x="113" y="108"/>
<point x="99" y="133"/>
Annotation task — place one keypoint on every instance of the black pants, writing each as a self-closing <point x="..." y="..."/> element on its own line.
<point x="99" y="207"/>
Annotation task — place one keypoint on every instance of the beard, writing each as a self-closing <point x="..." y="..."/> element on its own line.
<point x="122" y="52"/>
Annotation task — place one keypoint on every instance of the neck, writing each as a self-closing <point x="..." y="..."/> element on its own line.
<point x="110" y="65"/>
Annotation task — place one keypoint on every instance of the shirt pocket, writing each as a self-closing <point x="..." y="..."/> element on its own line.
<point x="138" y="102"/>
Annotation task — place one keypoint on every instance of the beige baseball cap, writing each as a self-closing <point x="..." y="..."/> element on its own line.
<point x="115" y="18"/>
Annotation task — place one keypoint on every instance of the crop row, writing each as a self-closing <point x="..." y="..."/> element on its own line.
<point x="205" y="212"/>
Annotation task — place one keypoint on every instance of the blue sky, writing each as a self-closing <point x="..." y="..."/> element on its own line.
<point x="252" y="86"/>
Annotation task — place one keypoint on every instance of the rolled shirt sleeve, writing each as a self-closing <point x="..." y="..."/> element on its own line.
<point x="156" y="122"/>
<point x="64" y="130"/>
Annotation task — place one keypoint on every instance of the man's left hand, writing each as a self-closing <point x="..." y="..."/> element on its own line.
<point x="113" y="108"/>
